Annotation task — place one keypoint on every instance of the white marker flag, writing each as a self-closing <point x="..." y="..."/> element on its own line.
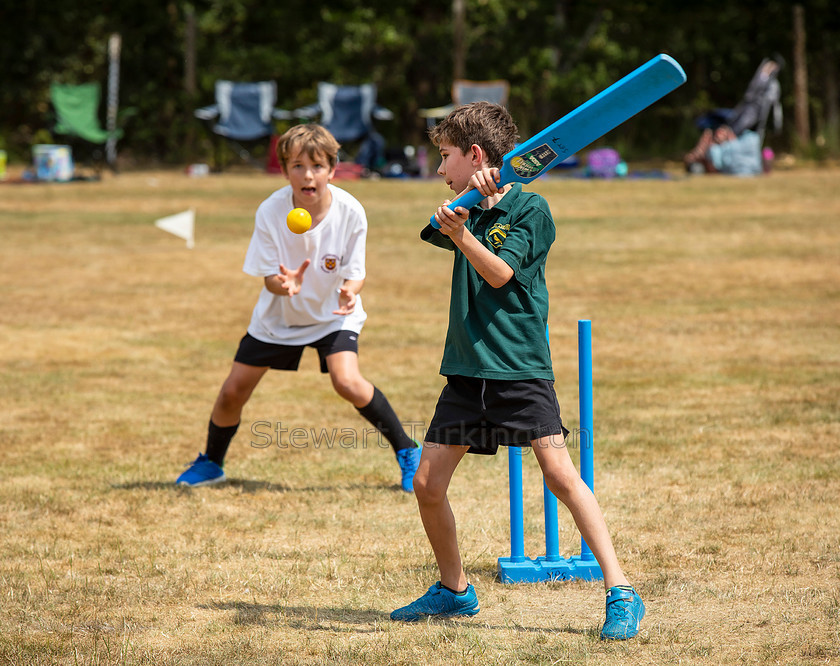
<point x="182" y="225"/>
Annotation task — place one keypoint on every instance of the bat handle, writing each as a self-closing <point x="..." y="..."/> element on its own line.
<point x="469" y="200"/>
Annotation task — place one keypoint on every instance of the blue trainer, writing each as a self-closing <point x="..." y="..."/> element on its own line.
<point x="201" y="472"/>
<point x="408" y="460"/>
<point x="624" y="612"/>
<point x="440" y="602"/>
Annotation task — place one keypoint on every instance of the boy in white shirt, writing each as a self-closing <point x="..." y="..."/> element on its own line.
<point x="310" y="298"/>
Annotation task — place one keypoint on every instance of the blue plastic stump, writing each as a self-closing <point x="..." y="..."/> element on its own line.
<point x="518" y="568"/>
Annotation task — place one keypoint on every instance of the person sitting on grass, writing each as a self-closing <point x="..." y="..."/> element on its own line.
<point x="497" y="363"/>
<point x="300" y="306"/>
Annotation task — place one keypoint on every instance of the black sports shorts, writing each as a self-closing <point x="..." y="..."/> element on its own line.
<point x="486" y="413"/>
<point x="287" y="357"/>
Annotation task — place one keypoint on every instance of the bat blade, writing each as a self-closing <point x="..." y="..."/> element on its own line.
<point x="588" y="122"/>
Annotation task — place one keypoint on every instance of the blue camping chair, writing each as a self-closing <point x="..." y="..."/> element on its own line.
<point x="348" y="113"/>
<point x="243" y="115"/>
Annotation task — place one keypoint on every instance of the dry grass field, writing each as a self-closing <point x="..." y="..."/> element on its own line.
<point x="715" y="308"/>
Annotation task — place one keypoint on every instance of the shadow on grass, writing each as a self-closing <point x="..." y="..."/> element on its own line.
<point x="243" y="484"/>
<point x="301" y="617"/>
<point x="331" y="619"/>
<point x="250" y="486"/>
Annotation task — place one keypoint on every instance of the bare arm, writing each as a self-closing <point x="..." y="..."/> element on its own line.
<point x="494" y="270"/>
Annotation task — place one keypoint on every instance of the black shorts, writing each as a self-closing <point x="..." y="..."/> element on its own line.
<point x="287" y="357"/>
<point x="486" y="413"/>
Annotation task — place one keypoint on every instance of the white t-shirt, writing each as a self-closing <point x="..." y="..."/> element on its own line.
<point x="336" y="247"/>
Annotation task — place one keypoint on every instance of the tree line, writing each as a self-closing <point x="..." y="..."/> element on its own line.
<point x="555" y="54"/>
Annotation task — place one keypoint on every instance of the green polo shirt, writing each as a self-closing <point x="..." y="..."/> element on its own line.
<point x="501" y="333"/>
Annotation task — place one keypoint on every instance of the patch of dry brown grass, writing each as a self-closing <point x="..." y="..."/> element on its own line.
<point x="716" y="318"/>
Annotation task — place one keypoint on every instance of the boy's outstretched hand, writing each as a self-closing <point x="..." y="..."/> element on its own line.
<point x="346" y="301"/>
<point x="289" y="281"/>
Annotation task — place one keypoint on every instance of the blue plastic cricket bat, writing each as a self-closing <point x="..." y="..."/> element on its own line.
<point x="591" y="120"/>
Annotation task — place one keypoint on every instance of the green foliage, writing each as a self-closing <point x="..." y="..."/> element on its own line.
<point x="555" y="53"/>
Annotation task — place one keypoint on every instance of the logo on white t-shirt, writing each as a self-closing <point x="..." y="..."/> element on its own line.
<point x="329" y="263"/>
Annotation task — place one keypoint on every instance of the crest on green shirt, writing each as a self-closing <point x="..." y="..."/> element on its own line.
<point x="497" y="233"/>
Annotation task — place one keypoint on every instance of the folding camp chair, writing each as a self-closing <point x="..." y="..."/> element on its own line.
<point x="465" y="91"/>
<point x="747" y="123"/>
<point x="243" y="115"/>
<point x="76" y="110"/>
<point x="348" y="113"/>
<point x="763" y="96"/>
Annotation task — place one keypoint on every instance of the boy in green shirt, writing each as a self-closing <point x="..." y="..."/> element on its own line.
<point x="500" y="384"/>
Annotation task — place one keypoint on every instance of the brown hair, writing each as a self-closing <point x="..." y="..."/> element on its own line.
<point x="487" y="125"/>
<point x="312" y="139"/>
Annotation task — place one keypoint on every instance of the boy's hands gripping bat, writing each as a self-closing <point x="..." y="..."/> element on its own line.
<point x="591" y="120"/>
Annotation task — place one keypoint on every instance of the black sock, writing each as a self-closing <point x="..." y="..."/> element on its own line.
<point x="380" y="413"/>
<point x="462" y="592"/>
<point x="218" y="441"/>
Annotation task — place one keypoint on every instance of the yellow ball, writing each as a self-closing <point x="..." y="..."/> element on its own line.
<point x="299" y="220"/>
